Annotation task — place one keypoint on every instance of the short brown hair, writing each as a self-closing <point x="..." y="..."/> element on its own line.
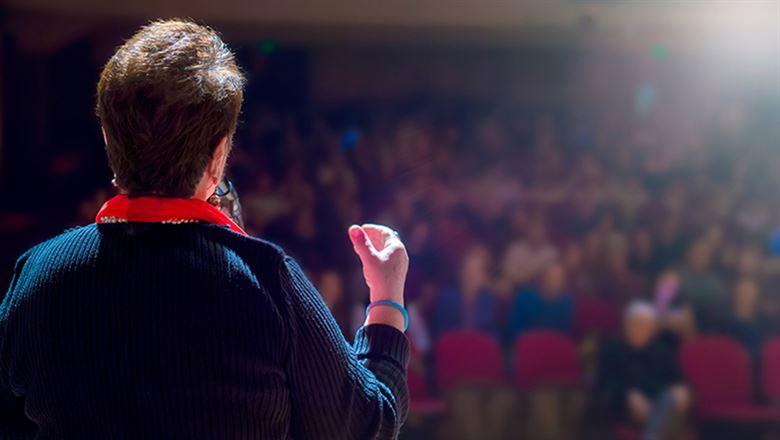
<point x="165" y="100"/>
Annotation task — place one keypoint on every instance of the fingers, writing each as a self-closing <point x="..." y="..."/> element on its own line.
<point x="377" y="234"/>
<point x="381" y="236"/>
<point x="377" y="241"/>
<point x="394" y="250"/>
<point x="361" y="243"/>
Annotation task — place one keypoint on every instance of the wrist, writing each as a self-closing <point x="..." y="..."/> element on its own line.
<point x="387" y="312"/>
<point x="395" y="295"/>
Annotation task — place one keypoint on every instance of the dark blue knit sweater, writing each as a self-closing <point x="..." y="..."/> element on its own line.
<point x="185" y="332"/>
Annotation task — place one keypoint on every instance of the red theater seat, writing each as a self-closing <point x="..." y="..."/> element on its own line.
<point x="545" y="358"/>
<point x="718" y="369"/>
<point x="467" y="357"/>
<point x="421" y="400"/>
<point x="627" y="432"/>
<point x="595" y="315"/>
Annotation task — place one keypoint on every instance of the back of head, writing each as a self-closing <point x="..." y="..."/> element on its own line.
<point x="165" y="100"/>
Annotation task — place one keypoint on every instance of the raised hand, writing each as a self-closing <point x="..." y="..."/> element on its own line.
<point x="385" y="264"/>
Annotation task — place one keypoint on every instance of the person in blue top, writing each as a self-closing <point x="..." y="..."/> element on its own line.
<point x="547" y="306"/>
<point x="475" y="411"/>
<point x="471" y="304"/>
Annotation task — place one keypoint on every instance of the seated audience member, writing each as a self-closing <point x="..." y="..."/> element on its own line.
<point x="644" y="258"/>
<point x="746" y="323"/>
<point x="526" y="259"/>
<point x="703" y="290"/>
<point x="670" y="242"/>
<point x="554" y="413"/>
<point x="471" y="304"/>
<point x="476" y="412"/>
<point x="547" y="307"/>
<point x="331" y="287"/>
<point x="750" y="262"/>
<point x="618" y="283"/>
<point x="580" y="279"/>
<point x="639" y="379"/>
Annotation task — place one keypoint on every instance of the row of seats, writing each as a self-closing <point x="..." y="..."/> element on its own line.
<point x="470" y="357"/>
<point x="718" y="369"/>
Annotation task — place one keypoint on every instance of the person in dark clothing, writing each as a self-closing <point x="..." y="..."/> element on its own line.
<point x="164" y="319"/>
<point x="747" y="324"/>
<point x="639" y="379"/>
<point x="703" y="289"/>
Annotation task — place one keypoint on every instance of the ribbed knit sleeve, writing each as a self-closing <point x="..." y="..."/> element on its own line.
<point x="14" y="425"/>
<point x="339" y="391"/>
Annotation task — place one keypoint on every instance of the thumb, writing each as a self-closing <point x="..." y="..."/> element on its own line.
<point x="361" y="243"/>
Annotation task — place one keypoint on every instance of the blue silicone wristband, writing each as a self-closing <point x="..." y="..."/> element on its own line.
<point x="393" y="304"/>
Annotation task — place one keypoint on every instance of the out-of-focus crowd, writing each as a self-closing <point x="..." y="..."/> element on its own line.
<point x="580" y="222"/>
<point x="518" y="215"/>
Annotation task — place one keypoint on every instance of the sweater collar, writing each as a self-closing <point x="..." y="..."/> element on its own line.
<point x="150" y="209"/>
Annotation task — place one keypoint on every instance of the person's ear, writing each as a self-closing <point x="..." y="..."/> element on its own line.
<point x="218" y="160"/>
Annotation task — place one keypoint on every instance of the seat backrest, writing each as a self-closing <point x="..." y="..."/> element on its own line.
<point x="718" y="370"/>
<point x="595" y="315"/>
<point x="546" y="358"/>
<point x="418" y="388"/>
<point x="770" y="368"/>
<point x="467" y="356"/>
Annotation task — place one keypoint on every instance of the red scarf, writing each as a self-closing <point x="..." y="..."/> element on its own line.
<point x="159" y="209"/>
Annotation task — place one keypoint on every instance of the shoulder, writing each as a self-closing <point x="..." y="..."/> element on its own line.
<point x="82" y="246"/>
<point x="281" y="272"/>
<point x="45" y="260"/>
<point x="262" y="255"/>
<point x="244" y="242"/>
<point x="69" y="236"/>
<point x="263" y="258"/>
<point x="60" y="248"/>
